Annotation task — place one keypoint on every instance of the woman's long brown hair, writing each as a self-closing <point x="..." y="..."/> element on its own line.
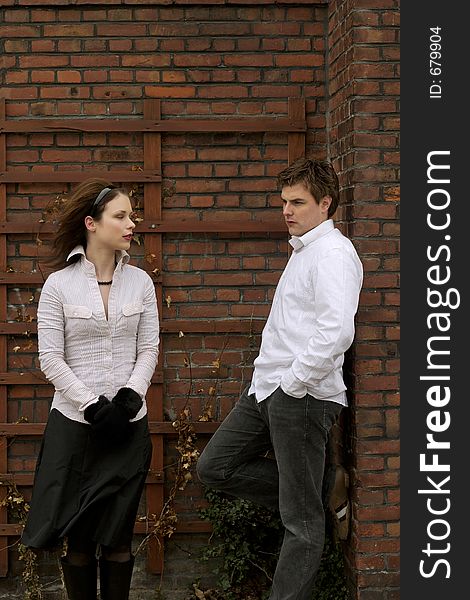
<point x="72" y="230"/>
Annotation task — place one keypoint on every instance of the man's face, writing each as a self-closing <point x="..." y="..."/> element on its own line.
<point x="301" y="211"/>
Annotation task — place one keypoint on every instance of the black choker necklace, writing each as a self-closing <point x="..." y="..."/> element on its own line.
<point x="105" y="282"/>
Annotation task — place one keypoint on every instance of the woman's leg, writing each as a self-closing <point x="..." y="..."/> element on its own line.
<point x="116" y="565"/>
<point x="79" y="568"/>
<point x="120" y="554"/>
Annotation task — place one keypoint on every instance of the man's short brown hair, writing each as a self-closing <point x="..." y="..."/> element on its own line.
<point x="318" y="176"/>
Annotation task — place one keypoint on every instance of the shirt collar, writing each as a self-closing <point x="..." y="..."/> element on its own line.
<point x="311" y="236"/>
<point x="122" y="257"/>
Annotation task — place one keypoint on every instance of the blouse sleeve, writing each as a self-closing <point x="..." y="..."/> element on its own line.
<point x="147" y="343"/>
<point x="51" y="348"/>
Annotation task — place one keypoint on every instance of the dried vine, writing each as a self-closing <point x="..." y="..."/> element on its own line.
<point x="17" y="506"/>
<point x="164" y="525"/>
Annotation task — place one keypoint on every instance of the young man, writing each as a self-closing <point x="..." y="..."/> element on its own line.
<point x="297" y="390"/>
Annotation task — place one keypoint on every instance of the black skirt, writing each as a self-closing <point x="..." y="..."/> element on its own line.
<point x="83" y="483"/>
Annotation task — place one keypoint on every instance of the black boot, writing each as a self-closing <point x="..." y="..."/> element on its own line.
<point x="115" y="579"/>
<point x="80" y="581"/>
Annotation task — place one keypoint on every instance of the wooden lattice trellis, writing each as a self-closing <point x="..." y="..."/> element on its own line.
<point x="152" y="228"/>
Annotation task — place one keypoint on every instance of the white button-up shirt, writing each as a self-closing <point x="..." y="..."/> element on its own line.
<point x="311" y="322"/>
<point x="83" y="353"/>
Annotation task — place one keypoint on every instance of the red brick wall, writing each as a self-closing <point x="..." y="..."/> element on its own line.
<point x="363" y="117"/>
<point x="201" y="60"/>
<point x="207" y="59"/>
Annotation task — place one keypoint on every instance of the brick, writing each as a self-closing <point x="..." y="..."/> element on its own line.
<point x="370" y="562"/>
<point x="65" y="91"/>
<point x="216" y="91"/>
<point x="266" y="91"/>
<point x="69" y="76"/>
<point x="94" y="45"/>
<point x="38" y="46"/>
<point x="375" y="106"/>
<point x="393" y="529"/>
<point x="173" y="30"/>
<point x="75" y="30"/>
<point x="377" y="247"/>
<point x="100" y="76"/>
<point x="381" y="580"/>
<point x="132" y="30"/>
<point x="94" y="61"/>
<point x="197" y="60"/>
<point x="16" y="77"/>
<point x="227" y="295"/>
<point x="170" y="91"/>
<point x="64" y="155"/>
<point x="26" y="62"/>
<point x="20" y="31"/>
<point x="369" y="463"/>
<point x="373" y="139"/>
<point x="370" y="529"/>
<point x="377" y="446"/>
<point x="374" y="35"/>
<point x="277" y="29"/>
<point x="249" y="60"/>
<point x="68" y="46"/>
<point x="375" y="349"/>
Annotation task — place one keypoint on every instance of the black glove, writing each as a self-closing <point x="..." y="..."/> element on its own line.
<point x="111" y="424"/>
<point x="92" y="409"/>
<point x="111" y="421"/>
<point x="129" y="401"/>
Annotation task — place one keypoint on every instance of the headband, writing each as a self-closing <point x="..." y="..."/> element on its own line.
<point x="100" y="197"/>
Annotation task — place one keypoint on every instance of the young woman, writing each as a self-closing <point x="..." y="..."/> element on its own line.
<point x="98" y="345"/>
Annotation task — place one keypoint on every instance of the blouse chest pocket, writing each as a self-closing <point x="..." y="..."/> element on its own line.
<point x="77" y="318"/>
<point x="129" y="318"/>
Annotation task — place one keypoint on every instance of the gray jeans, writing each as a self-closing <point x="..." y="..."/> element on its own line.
<point x="296" y="429"/>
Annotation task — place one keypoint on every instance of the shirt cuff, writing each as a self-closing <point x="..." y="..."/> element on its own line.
<point x="293" y="386"/>
<point x="82" y="407"/>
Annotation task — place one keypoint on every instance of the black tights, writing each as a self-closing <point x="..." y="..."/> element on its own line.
<point x="82" y="552"/>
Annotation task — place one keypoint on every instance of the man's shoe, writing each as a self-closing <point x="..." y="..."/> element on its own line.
<point x="339" y="503"/>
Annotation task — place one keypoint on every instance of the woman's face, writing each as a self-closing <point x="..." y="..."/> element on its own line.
<point x="115" y="228"/>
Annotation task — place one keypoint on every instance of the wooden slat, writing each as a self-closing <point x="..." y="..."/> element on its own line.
<point x="26" y="278"/>
<point x="3" y="346"/>
<point x="223" y="326"/>
<point x="156" y="427"/>
<point x="18" y="328"/>
<point x="34" y="279"/>
<point x="26" y="479"/>
<point x="23" y="378"/>
<point x="296" y="141"/>
<point x="14" y="529"/>
<point x="73" y="176"/>
<point x="182" y="225"/>
<point x="31" y="279"/>
<point x="36" y="377"/>
<point x="234" y="326"/>
<point x="183" y="125"/>
<point x="154" y="248"/>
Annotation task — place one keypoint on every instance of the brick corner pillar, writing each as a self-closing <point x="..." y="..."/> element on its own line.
<point x="363" y="144"/>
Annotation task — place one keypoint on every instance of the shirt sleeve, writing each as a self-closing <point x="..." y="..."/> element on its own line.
<point x="147" y="343"/>
<point x="336" y="296"/>
<point x="52" y="348"/>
